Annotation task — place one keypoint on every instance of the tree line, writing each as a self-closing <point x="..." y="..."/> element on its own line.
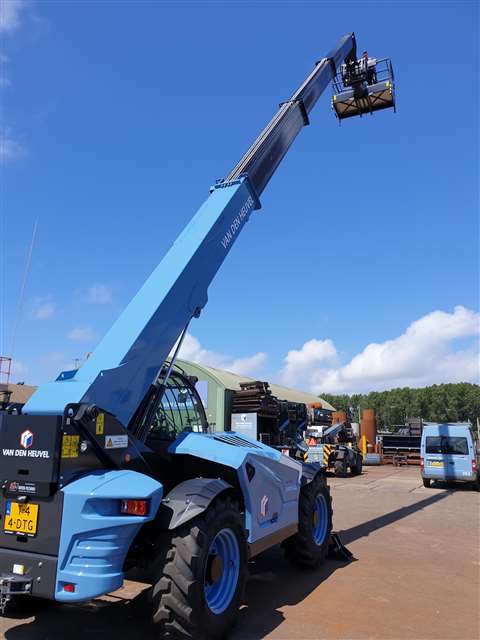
<point x="458" y="402"/>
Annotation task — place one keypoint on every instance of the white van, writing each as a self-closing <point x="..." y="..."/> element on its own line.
<point x="448" y="453"/>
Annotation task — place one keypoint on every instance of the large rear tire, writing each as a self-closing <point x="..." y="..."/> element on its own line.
<point x="309" y="546"/>
<point x="201" y="574"/>
<point x="426" y="483"/>
<point x="356" y="469"/>
<point x="340" y="468"/>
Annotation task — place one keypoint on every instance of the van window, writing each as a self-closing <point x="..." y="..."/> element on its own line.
<point x="433" y="444"/>
<point x="449" y="445"/>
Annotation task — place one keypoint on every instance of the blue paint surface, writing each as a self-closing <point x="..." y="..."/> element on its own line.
<point x="128" y="359"/>
<point x="225" y="551"/>
<point x="320" y="519"/>
<point x="276" y="480"/>
<point x="220" y="447"/>
<point x="95" y="536"/>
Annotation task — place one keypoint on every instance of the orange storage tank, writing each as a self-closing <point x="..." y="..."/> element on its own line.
<point x="368" y="426"/>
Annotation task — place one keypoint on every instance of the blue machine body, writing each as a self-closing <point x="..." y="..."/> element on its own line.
<point x="128" y="360"/>
<point x="117" y="379"/>
<point x="95" y="537"/>
<point x="271" y="495"/>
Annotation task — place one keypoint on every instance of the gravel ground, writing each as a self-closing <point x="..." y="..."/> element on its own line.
<point x="415" y="576"/>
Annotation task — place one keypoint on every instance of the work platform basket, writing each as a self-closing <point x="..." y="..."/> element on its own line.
<point x="371" y="89"/>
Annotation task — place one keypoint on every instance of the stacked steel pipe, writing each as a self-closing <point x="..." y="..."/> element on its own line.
<point x="255" y="397"/>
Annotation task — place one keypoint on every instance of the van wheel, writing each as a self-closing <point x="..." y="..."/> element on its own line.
<point x="426" y="483"/>
<point x="200" y="574"/>
<point x="309" y="546"/>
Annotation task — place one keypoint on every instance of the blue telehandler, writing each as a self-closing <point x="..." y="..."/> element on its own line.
<point x="111" y="466"/>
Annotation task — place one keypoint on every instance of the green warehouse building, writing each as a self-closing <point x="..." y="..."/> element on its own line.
<point x="216" y="389"/>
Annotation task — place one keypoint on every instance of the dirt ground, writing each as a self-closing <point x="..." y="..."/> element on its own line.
<point x="415" y="576"/>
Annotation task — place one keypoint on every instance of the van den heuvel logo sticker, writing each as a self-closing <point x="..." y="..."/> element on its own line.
<point x="26" y="439"/>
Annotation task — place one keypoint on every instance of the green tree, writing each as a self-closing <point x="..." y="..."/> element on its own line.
<point x="456" y="402"/>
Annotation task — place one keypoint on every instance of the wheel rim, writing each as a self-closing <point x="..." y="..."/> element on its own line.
<point x="221" y="571"/>
<point x="320" y="519"/>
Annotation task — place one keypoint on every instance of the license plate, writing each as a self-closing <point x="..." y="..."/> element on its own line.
<point x="435" y="463"/>
<point x="21" y="518"/>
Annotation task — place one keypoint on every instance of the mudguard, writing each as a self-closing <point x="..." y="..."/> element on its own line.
<point x="95" y="536"/>
<point x="188" y="500"/>
<point x="269" y="481"/>
<point x="309" y="471"/>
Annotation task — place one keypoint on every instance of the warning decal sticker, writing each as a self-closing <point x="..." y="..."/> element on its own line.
<point x="116" y="442"/>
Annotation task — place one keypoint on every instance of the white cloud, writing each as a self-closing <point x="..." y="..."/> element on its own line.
<point x="45" y="311"/>
<point x="247" y="366"/>
<point x="192" y="350"/>
<point x="10" y="11"/>
<point x="300" y="363"/>
<point x="425" y="354"/>
<point x="10" y="19"/>
<point x="82" y="334"/>
<point x="10" y="149"/>
<point x="99" y="293"/>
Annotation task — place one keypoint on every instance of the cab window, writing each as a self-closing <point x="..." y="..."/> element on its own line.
<point x="178" y="411"/>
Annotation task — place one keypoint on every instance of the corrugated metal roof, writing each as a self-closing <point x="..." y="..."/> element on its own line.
<point x="232" y="381"/>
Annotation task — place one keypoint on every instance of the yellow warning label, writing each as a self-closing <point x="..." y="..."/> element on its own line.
<point x="108" y="443"/>
<point x="100" y="424"/>
<point x="70" y="446"/>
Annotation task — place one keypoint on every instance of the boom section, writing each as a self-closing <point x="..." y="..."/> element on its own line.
<point x="265" y="154"/>
<point x="122" y="369"/>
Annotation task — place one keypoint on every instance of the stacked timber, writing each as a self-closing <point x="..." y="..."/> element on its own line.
<point x="255" y="397"/>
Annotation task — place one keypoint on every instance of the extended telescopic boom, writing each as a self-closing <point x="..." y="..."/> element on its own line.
<point x="119" y="374"/>
<point x="262" y="159"/>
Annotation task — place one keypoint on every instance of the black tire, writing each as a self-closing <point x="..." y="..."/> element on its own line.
<point x="301" y="548"/>
<point x="180" y="608"/>
<point x="356" y="469"/>
<point x="340" y="468"/>
<point x="426" y="483"/>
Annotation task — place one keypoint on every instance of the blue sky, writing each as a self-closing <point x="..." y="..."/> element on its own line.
<point x="117" y="117"/>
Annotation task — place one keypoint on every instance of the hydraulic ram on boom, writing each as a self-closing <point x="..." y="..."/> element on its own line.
<point x="111" y="466"/>
<point x="119" y="373"/>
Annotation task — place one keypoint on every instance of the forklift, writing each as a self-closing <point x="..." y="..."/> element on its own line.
<point x="335" y="447"/>
<point x="110" y="467"/>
